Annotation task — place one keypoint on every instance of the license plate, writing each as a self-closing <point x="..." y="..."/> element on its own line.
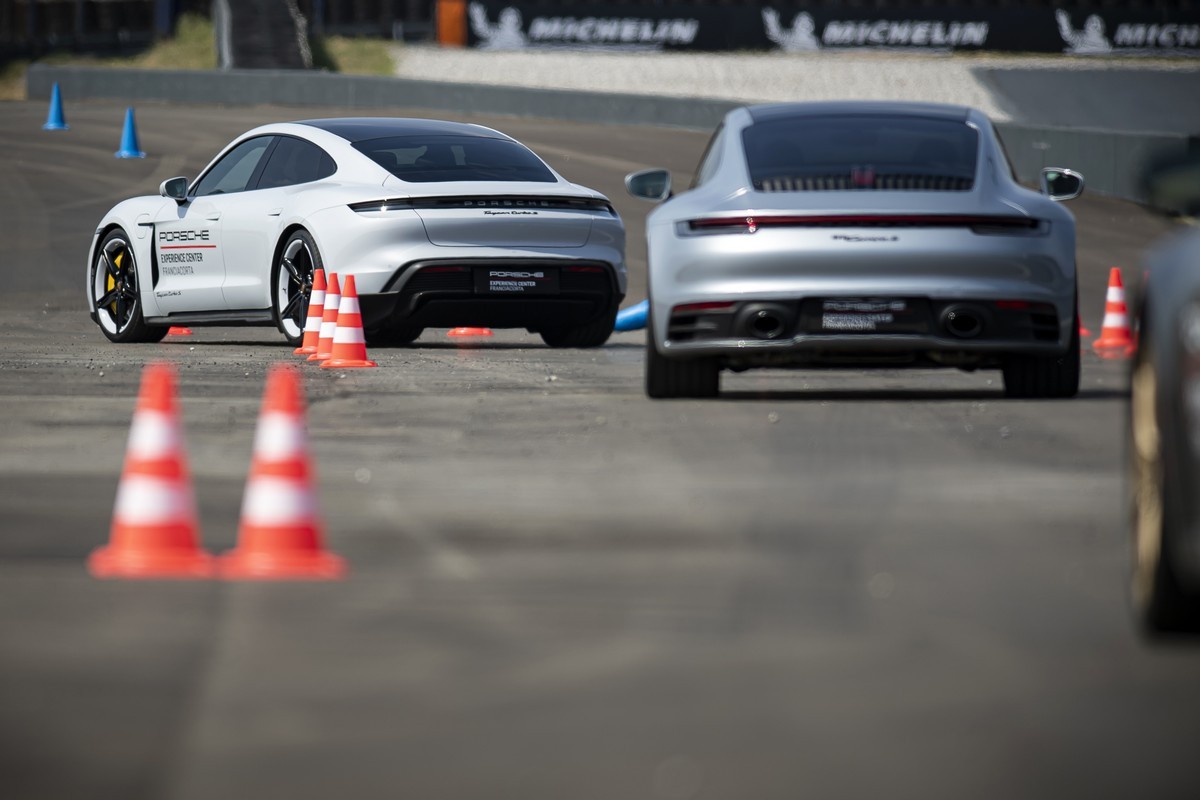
<point x="862" y="315"/>
<point x="516" y="281"/>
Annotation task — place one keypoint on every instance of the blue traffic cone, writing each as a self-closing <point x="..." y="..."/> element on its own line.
<point x="633" y="318"/>
<point x="129" y="142"/>
<point x="55" y="120"/>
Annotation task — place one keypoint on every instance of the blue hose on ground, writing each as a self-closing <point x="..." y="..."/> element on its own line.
<point x="633" y="318"/>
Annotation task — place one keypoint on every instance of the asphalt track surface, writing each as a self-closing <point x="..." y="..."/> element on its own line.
<point x="825" y="584"/>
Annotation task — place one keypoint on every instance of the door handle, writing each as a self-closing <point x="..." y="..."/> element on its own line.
<point x="213" y="216"/>
<point x="274" y="212"/>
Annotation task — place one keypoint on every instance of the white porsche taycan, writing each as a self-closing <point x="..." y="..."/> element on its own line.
<point x="441" y="224"/>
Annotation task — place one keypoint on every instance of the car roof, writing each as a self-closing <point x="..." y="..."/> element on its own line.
<point x="358" y="129"/>
<point x="773" y="111"/>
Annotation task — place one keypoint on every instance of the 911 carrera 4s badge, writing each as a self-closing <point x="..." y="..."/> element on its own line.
<point x="516" y="281"/>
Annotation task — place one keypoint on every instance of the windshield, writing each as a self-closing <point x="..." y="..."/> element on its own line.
<point x="435" y="159"/>
<point x="864" y="150"/>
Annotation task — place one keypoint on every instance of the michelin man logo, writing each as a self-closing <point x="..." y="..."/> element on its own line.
<point x="506" y="34"/>
<point x="1089" y="41"/>
<point x="799" y="39"/>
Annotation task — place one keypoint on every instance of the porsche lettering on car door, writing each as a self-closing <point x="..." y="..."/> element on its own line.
<point x="190" y="264"/>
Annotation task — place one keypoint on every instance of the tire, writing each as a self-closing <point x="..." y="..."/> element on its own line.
<point x="114" y="290"/>
<point x="393" y="334"/>
<point x="593" y="334"/>
<point x="1160" y="604"/>
<point x="679" y="377"/>
<point x="291" y="282"/>
<point x="1045" y="377"/>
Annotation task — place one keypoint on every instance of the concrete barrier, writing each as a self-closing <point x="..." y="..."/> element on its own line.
<point x="1110" y="161"/>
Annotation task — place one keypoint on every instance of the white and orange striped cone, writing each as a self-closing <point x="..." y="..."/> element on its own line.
<point x="465" y="332"/>
<point x="279" y="536"/>
<point x="316" y="313"/>
<point x="1116" y="339"/>
<point x="154" y="532"/>
<point x="329" y="314"/>
<point x="349" y="340"/>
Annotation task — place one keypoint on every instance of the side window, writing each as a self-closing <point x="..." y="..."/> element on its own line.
<point x="295" y="161"/>
<point x="234" y="171"/>
<point x="711" y="158"/>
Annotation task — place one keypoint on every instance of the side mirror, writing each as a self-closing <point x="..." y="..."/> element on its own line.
<point x="1061" y="184"/>
<point x="649" y="184"/>
<point x="1173" y="185"/>
<point x="174" y="188"/>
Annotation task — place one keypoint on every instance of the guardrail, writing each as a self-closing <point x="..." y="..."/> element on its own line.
<point x="1110" y="160"/>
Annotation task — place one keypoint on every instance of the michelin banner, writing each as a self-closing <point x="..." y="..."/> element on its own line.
<point x="502" y="25"/>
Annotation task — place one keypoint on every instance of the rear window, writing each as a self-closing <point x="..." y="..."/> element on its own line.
<point x="861" y="152"/>
<point x="436" y="159"/>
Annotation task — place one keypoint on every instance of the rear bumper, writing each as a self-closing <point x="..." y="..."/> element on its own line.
<point x="915" y="331"/>
<point x="452" y="292"/>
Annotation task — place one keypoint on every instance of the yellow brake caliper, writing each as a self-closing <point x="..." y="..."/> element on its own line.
<point x="111" y="282"/>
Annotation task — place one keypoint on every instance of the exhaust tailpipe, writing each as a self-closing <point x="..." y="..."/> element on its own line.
<point x="764" y="321"/>
<point x="962" y="322"/>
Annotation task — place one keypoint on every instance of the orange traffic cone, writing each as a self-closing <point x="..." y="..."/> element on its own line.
<point x="333" y="297"/>
<point x="154" y="529"/>
<point x="349" y="341"/>
<point x="178" y="330"/>
<point x="1115" y="339"/>
<point x="469" y="332"/>
<point x="1083" y="329"/>
<point x="316" y="313"/>
<point x="280" y="534"/>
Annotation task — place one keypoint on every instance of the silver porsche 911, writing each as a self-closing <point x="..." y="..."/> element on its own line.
<point x="860" y="234"/>
<point x="440" y="223"/>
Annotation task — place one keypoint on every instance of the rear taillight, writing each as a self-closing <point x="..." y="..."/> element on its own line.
<point x="724" y="225"/>
<point x="695" y="308"/>
<point x="390" y="204"/>
<point x="979" y="223"/>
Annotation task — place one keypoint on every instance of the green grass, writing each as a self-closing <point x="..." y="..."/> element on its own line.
<point x="193" y="48"/>
<point x="354" y="56"/>
<point x="12" y="80"/>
